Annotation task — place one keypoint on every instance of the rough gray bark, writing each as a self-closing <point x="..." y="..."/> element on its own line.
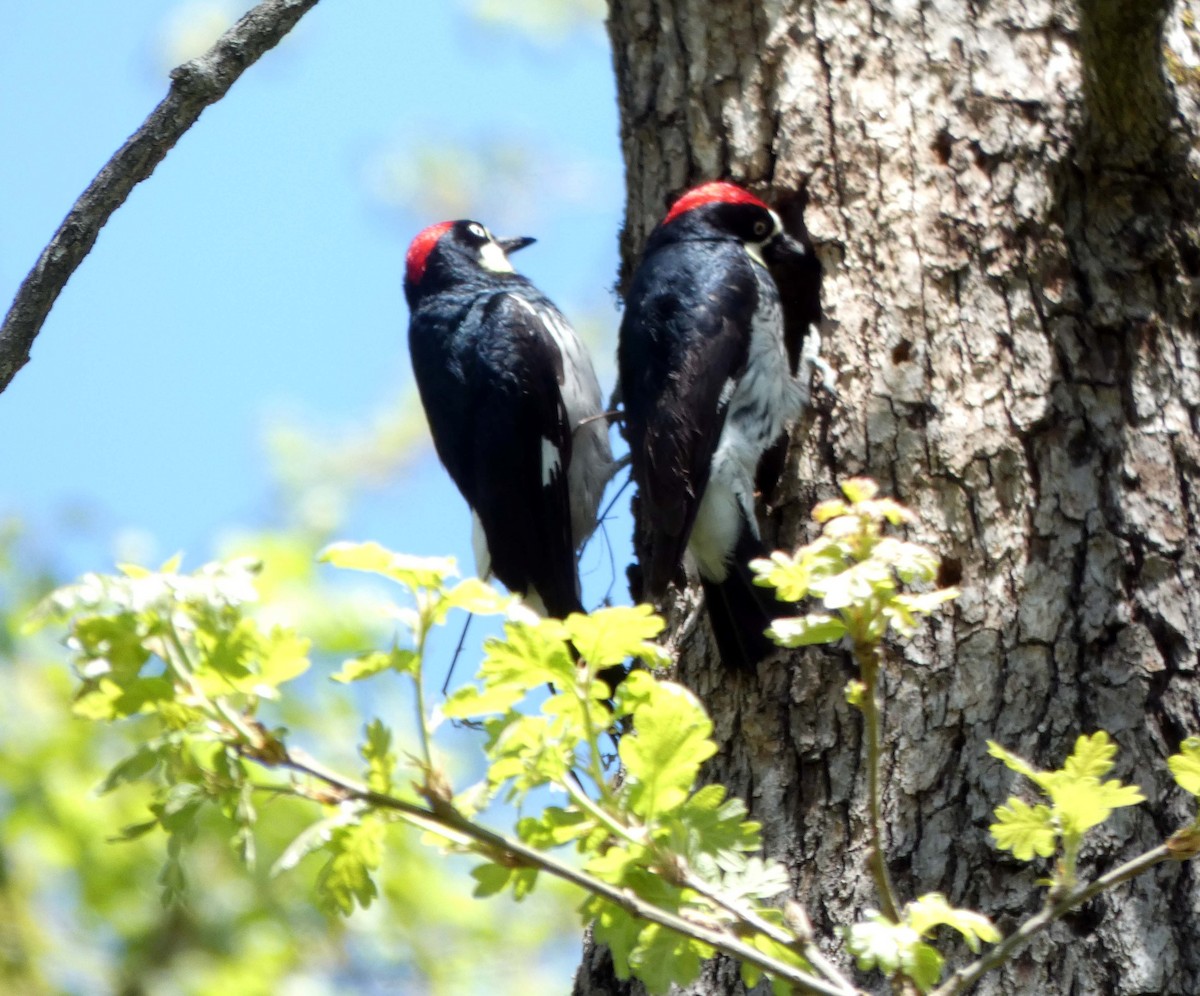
<point x="1004" y="195"/>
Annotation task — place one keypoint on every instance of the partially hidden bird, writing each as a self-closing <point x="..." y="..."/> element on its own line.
<point x="708" y="385"/>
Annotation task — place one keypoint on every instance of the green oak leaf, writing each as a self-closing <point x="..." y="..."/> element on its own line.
<point x="1185" y="766"/>
<point x="1025" y="830"/>
<point x="671" y="738"/>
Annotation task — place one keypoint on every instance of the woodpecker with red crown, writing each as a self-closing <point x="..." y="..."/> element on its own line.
<point x="708" y="385"/>
<point x="513" y="406"/>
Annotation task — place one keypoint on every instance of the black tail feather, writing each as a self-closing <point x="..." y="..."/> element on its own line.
<point x="739" y="610"/>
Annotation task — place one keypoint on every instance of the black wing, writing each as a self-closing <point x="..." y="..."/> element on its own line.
<point x="516" y="450"/>
<point x="684" y="339"/>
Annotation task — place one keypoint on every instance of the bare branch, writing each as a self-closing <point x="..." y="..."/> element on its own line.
<point x="194" y="86"/>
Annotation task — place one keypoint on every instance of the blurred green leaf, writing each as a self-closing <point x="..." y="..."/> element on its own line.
<point x="931" y="910"/>
<point x="1185" y="766"/>
<point x="354" y="853"/>
<point x="412" y="572"/>
<point x="375" y="661"/>
<point x="803" y="631"/>
<point x="377" y="752"/>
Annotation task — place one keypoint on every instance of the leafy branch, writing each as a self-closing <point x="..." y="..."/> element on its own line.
<point x="858" y="572"/>
<point x="672" y="872"/>
<point x="665" y="865"/>
<point x="512" y="853"/>
<point x="962" y="980"/>
<point x="194" y="86"/>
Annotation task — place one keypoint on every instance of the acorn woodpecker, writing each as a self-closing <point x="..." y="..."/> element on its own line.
<point x="513" y="406"/>
<point x="708" y="385"/>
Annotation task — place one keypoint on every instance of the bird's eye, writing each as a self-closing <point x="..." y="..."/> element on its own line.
<point x="760" y="228"/>
<point x="478" y="231"/>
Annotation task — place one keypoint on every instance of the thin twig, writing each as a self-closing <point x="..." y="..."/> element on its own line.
<point x="194" y="86"/>
<point x="419" y="679"/>
<point x="868" y="662"/>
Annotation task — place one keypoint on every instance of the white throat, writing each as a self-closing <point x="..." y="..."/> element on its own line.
<point x="492" y="257"/>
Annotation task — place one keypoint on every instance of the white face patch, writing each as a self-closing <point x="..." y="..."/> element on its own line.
<point x="492" y="257"/>
<point x="755" y="249"/>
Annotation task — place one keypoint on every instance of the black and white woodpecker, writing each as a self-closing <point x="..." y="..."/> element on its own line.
<point x="708" y="386"/>
<point x="513" y="405"/>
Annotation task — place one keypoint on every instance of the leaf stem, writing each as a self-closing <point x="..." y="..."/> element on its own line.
<point x="419" y="679"/>
<point x="869" y="657"/>
<point x="575" y="790"/>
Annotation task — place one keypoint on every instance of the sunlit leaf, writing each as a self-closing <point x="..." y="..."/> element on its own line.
<point x="376" y="750"/>
<point x="474" y="596"/>
<point x="671" y="738"/>
<point x="708" y="825"/>
<point x="1185" y="766"/>
<point x="859" y="489"/>
<point x="137" y="765"/>
<point x="894" y="949"/>
<point x="756" y="879"/>
<point x="609" y="635"/>
<point x="1025" y="830"/>
<point x="617" y="930"/>
<point x="803" y="631"/>
<point x="490" y="879"/>
<point x="663" y="957"/>
<point x="528" y="656"/>
<point x="553" y="827"/>
<point x="1082" y="803"/>
<point x="376" y="661"/>
<point x="1092" y="756"/>
<point x="355" y="851"/>
<point x="878" y="943"/>
<point x="1013" y="762"/>
<point x="415" y="573"/>
<point x="931" y="910"/>
<point x="826" y="511"/>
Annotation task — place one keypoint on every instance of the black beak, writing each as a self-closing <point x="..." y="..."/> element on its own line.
<point x="512" y="245"/>
<point x="783" y="249"/>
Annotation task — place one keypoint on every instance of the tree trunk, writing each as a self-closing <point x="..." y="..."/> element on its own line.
<point x="1004" y="198"/>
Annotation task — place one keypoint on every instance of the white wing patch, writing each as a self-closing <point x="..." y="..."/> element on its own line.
<point x="551" y="462"/>
<point x="591" y="457"/>
<point x="479" y="545"/>
<point x="728" y="501"/>
<point x="726" y="393"/>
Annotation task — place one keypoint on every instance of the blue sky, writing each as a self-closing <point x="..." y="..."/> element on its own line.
<point x="259" y="269"/>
